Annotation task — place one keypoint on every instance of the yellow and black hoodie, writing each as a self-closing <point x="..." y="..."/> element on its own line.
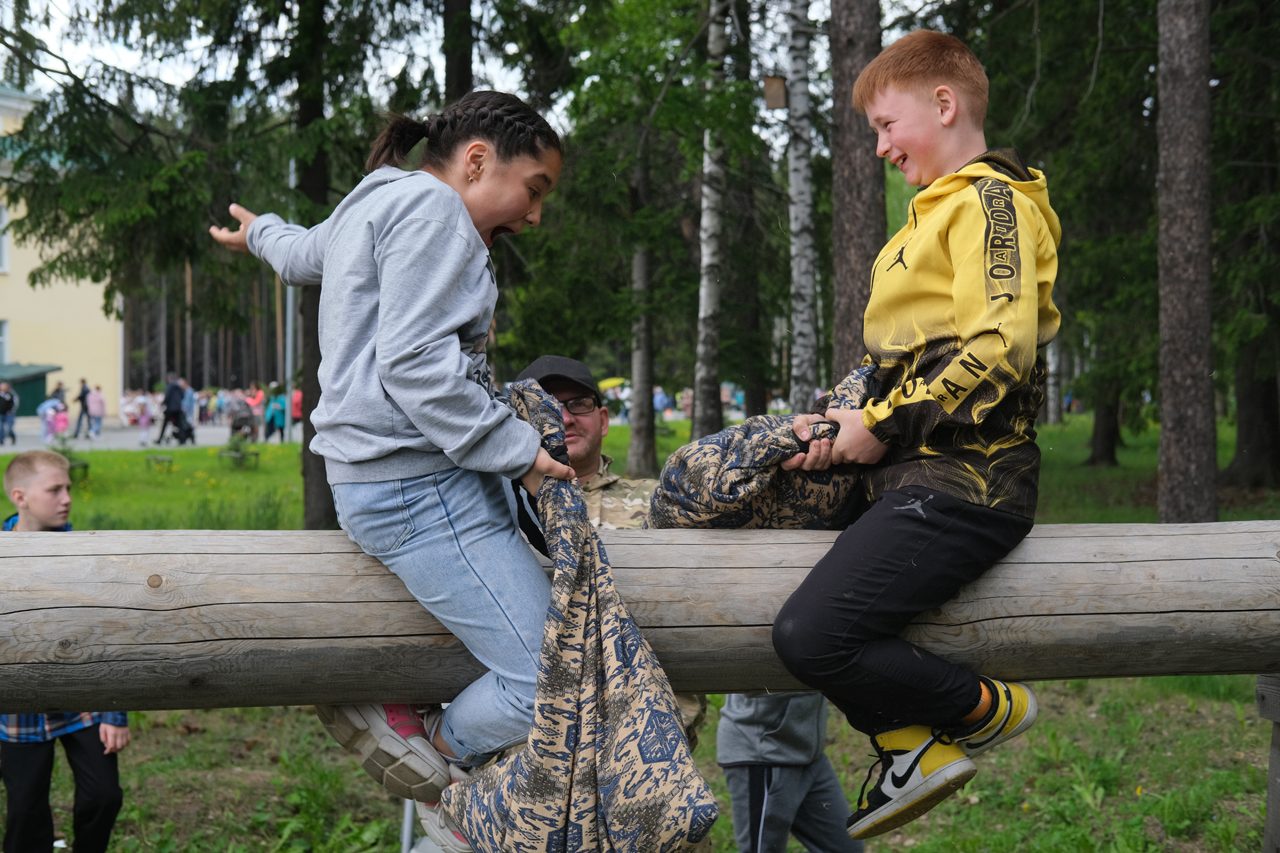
<point x="961" y="303"/>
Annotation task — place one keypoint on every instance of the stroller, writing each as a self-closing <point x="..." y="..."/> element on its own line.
<point x="183" y="431"/>
<point x="243" y="424"/>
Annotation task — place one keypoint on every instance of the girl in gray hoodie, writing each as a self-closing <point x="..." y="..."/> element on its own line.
<point x="417" y="451"/>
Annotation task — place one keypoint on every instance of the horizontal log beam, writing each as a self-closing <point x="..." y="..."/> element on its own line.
<point x="190" y="619"/>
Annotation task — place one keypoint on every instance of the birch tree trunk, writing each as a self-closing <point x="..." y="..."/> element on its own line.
<point x="804" y="314"/>
<point x="857" y="190"/>
<point x="1188" y="466"/>
<point x="642" y="454"/>
<point x="1053" y="384"/>
<point x="708" y="416"/>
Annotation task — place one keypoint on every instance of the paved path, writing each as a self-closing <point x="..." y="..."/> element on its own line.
<point x="116" y="437"/>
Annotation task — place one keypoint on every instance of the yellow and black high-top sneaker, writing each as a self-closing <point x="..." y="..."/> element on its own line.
<point x="919" y="768"/>
<point x="1013" y="710"/>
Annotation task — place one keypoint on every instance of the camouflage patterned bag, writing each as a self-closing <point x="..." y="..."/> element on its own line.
<point x="606" y="766"/>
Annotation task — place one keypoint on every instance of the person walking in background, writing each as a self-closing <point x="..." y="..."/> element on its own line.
<point x="256" y="399"/>
<point x="47" y="413"/>
<point x="97" y="406"/>
<point x="39" y="485"/>
<point x="175" y="396"/>
<point x="273" y="417"/>
<point x="144" y="412"/>
<point x="9" y="402"/>
<point x="82" y="418"/>
<point x="189" y="402"/>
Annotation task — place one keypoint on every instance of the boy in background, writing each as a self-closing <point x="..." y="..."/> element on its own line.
<point x="960" y="306"/>
<point x="39" y="485"/>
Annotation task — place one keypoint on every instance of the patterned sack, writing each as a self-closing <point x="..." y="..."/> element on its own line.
<point x="733" y="479"/>
<point x="606" y="766"/>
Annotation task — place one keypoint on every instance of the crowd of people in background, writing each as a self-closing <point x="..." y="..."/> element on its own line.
<point x="253" y="414"/>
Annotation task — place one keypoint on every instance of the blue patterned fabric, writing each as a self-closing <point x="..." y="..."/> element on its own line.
<point x="606" y="766"/>
<point x="733" y="479"/>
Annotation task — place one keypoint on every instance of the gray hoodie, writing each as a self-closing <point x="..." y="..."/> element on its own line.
<point x="405" y="310"/>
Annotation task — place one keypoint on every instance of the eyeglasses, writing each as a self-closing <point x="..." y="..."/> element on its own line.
<point x="579" y="405"/>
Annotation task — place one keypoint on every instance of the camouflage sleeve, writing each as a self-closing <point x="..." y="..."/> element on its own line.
<point x="624" y="504"/>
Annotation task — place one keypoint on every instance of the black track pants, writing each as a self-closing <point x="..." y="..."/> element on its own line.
<point x="908" y="553"/>
<point x="27" y="769"/>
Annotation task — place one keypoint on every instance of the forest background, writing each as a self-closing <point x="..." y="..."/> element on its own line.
<point x="681" y="249"/>
<point x="699" y="236"/>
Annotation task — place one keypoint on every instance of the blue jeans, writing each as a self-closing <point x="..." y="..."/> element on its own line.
<point x="451" y="539"/>
<point x="6" y="428"/>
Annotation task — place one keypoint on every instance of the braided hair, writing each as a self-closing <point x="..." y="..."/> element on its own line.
<point x="503" y="120"/>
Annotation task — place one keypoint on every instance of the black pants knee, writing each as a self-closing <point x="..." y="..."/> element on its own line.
<point x="27" y="769"/>
<point x="908" y="553"/>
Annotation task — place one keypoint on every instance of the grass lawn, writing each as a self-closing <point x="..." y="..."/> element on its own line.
<point x="1150" y="764"/>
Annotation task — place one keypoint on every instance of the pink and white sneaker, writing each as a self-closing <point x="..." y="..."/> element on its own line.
<point x="393" y="746"/>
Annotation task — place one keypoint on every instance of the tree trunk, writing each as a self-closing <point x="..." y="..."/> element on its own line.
<point x="756" y="366"/>
<point x="707" y="411"/>
<point x="1257" y="460"/>
<point x="313" y="181"/>
<point x="1188" y="466"/>
<point x="804" y="313"/>
<point x="642" y="454"/>
<point x="458" y="48"/>
<point x="857" y="191"/>
<point x="162" y="331"/>
<point x="187" y="319"/>
<point x="1106" y="430"/>
<point x="1053" y="384"/>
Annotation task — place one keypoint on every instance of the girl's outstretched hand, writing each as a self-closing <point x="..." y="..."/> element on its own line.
<point x="236" y="241"/>
<point x="544" y="466"/>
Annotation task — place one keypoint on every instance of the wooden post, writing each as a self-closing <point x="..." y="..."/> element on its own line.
<point x="1269" y="709"/>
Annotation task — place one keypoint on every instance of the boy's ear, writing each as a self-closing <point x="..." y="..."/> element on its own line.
<point x="945" y="102"/>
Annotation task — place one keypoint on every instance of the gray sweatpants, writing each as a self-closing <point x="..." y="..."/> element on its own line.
<point x="772" y="802"/>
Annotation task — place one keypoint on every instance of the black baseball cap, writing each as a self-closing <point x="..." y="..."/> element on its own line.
<point x="546" y="367"/>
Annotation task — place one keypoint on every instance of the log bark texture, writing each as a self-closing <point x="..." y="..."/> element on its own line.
<point x="189" y="619"/>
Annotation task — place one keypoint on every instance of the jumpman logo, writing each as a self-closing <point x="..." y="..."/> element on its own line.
<point x="898" y="260"/>
<point x="916" y="505"/>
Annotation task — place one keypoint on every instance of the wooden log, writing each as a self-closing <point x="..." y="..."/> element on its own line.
<point x="188" y="619"/>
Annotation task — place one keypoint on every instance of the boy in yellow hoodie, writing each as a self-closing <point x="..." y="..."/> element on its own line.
<point x="960" y="308"/>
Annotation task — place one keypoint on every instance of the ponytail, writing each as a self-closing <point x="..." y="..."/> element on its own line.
<point x="506" y="122"/>
<point x="393" y="146"/>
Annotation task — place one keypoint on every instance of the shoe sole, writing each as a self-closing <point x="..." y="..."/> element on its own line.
<point x="384" y="755"/>
<point x="1027" y="721"/>
<point x="928" y="794"/>
<point x="434" y="826"/>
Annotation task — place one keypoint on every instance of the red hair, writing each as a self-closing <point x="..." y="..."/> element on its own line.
<point x="922" y="60"/>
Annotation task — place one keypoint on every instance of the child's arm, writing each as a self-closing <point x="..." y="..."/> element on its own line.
<point x="995" y="297"/>
<point x="294" y="252"/>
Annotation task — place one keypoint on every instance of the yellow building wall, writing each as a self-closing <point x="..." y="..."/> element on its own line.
<point x="61" y="324"/>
